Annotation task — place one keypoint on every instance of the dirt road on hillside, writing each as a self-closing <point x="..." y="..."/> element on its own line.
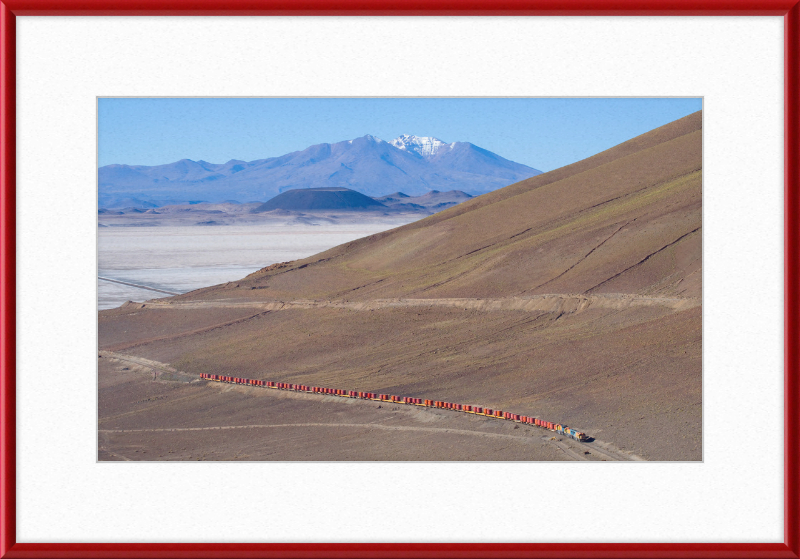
<point x="566" y="303"/>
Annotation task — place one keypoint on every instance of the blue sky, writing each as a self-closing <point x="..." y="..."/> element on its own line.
<point x="542" y="133"/>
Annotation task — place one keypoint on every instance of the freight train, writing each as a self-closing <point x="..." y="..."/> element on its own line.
<point x="392" y="399"/>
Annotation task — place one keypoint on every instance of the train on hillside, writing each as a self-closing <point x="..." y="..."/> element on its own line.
<point x="392" y="399"/>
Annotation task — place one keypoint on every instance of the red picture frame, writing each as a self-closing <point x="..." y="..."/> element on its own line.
<point x="788" y="9"/>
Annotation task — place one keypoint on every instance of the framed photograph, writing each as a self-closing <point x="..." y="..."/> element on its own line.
<point x="387" y="280"/>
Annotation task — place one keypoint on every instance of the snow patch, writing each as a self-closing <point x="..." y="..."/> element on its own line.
<point x="424" y="146"/>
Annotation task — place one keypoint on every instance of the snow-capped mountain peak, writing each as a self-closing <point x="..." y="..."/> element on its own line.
<point x="424" y="146"/>
<point x="411" y="164"/>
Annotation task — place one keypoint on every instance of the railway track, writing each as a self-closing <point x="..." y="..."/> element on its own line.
<point x="598" y="448"/>
<point x="557" y="428"/>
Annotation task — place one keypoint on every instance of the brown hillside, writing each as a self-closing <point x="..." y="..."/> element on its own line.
<point x="573" y="296"/>
<point x="624" y="221"/>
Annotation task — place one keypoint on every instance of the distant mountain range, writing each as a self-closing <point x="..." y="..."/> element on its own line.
<point x="434" y="201"/>
<point x="303" y="206"/>
<point x="412" y="164"/>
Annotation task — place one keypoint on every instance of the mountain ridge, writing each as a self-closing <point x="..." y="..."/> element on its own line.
<point x="366" y="164"/>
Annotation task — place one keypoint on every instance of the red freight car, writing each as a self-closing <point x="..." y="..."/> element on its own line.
<point x="403" y="400"/>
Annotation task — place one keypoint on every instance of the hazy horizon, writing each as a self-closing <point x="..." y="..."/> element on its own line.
<point x="543" y="133"/>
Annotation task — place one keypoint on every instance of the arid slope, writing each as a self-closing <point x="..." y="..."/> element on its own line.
<point x="624" y="221"/>
<point x="574" y="296"/>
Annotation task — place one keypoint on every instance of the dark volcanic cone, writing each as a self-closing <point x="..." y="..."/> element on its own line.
<point x="309" y="199"/>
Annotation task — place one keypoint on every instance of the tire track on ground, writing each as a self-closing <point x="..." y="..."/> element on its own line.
<point x="645" y="259"/>
<point x="588" y="254"/>
<point x="137" y="285"/>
